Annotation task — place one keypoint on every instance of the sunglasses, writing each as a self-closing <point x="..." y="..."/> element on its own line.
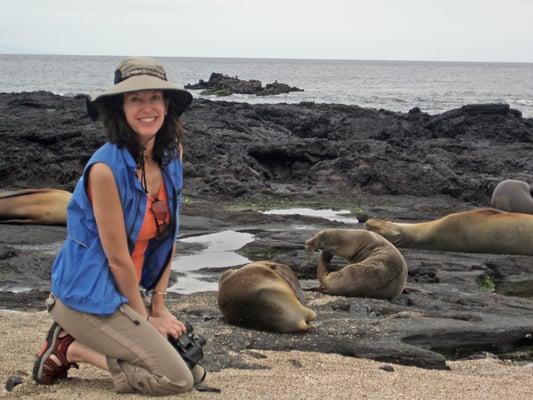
<point x="160" y="211"/>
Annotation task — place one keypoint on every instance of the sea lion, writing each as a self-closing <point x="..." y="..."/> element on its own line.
<point x="264" y="295"/>
<point x="513" y="196"/>
<point x="482" y="230"/>
<point x="377" y="268"/>
<point x="34" y="206"/>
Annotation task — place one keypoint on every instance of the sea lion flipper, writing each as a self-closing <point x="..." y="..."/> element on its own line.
<point x="302" y="325"/>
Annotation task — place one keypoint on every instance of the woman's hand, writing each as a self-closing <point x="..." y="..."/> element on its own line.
<point x="167" y="325"/>
<point x="165" y="322"/>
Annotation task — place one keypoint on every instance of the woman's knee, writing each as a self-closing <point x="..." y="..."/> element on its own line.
<point x="175" y="375"/>
<point x="173" y="385"/>
<point x="129" y="378"/>
<point x="181" y="379"/>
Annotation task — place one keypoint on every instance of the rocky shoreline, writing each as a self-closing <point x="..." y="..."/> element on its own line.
<point x="243" y="158"/>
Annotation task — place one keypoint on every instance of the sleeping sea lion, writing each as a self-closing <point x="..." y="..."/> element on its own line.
<point x="34" y="206"/>
<point x="513" y="196"/>
<point x="264" y="295"/>
<point x="377" y="268"/>
<point x="483" y="230"/>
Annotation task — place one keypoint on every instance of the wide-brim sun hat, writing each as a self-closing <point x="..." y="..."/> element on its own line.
<point x="140" y="73"/>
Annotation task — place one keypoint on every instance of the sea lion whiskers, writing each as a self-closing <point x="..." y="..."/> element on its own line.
<point x="319" y="242"/>
<point x="384" y="228"/>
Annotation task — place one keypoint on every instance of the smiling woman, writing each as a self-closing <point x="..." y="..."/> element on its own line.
<point x="145" y="112"/>
<point x="122" y="227"/>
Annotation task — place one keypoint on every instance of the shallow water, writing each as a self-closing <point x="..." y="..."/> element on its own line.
<point x="195" y="282"/>
<point x="49" y="248"/>
<point x="333" y="215"/>
<point x="219" y="253"/>
<point x="15" y="288"/>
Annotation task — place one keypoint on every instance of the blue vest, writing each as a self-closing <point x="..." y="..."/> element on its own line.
<point x="81" y="277"/>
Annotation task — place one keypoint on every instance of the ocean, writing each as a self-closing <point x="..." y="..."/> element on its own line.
<point x="434" y="87"/>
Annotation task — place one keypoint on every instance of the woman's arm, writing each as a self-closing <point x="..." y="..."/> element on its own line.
<point x="159" y="308"/>
<point x="110" y="222"/>
<point x="160" y="289"/>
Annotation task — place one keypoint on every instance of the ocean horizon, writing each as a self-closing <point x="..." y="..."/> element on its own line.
<point x="432" y="86"/>
<point x="18" y="53"/>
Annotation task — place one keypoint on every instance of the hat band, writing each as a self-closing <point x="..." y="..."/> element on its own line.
<point x="119" y="76"/>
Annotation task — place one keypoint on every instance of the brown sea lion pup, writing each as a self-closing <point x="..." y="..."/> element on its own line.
<point x="377" y="268"/>
<point x="513" y="196"/>
<point x="264" y="295"/>
<point x="34" y="206"/>
<point x="483" y="230"/>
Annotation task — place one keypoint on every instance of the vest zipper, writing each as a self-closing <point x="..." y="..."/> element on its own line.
<point x="131" y="243"/>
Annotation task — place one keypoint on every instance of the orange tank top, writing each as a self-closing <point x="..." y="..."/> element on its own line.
<point x="148" y="230"/>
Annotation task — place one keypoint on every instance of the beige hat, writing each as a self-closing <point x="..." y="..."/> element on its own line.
<point x="140" y="73"/>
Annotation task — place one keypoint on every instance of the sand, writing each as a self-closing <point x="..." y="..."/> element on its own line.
<point x="287" y="375"/>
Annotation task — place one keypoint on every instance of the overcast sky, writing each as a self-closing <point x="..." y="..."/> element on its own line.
<point x="449" y="30"/>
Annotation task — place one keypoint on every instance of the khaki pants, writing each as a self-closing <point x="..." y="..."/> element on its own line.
<point x="139" y="358"/>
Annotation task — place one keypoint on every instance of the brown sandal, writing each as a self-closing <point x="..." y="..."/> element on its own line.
<point x="45" y="370"/>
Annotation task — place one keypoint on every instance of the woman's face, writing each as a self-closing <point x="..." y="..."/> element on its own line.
<point x="145" y="112"/>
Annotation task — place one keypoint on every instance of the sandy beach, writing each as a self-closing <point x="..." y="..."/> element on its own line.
<point x="286" y="375"/>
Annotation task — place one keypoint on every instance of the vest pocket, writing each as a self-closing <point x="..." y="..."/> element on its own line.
<point x="79" y="242"/>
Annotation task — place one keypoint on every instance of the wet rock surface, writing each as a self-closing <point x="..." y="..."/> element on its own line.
<point x="242" y="157"/>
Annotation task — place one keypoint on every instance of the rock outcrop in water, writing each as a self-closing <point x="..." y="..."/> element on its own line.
<point x="409" y="166"/>
<point x="224" y="85"/>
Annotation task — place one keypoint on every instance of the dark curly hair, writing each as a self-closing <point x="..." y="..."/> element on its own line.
<point x="117" y="130"/>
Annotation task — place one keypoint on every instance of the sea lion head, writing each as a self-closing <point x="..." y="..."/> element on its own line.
<point x="325" y="239"/>
<point x="345" y="243"/>
<point x="388" y="230"/>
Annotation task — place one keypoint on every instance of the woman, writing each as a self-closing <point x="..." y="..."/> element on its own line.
<point x="122" y="224"/>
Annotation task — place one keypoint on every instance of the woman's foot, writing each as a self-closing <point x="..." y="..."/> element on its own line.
<point x="51" y="363"/>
